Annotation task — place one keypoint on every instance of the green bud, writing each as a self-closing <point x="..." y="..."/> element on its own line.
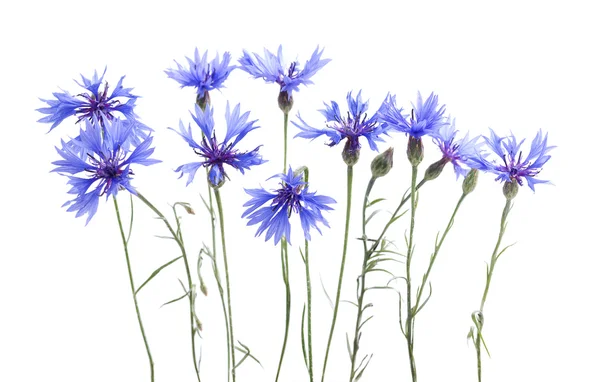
<point x="285" y="101"/>
<point x="203" y="100"/>
<point x="415" y="151"/>
<point x="435" y="169"/>
<point x="383" y="163"/>
<point x="470" y="181"/>
<point x="349" y="154"/>
<point x="510" y="189"/>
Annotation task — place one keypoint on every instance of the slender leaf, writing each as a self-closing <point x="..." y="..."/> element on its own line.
<point x="156" y="272"/>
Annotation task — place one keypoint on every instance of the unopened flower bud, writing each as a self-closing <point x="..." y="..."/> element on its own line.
<point x="383" y="163"/>
<point x="510" y="189"/>
<point x="415" y="151"/>
<point x="470" y="181"/>
<point x="203" y="288"/>
<point x="286" y="102"/>
<point x="350" y="154"/>
<point x="203" y="100"/>
<point x="435" y="169"/>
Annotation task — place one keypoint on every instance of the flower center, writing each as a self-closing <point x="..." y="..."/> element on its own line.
<point x="98" y="105"/>
<point x="288" y="196"/>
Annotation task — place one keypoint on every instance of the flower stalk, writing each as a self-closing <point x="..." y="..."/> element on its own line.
<point x="179" y="242"/>
<point x="133" y="293"/>
<point x="342" y="265"/>
<point x="495" y="256"/>
<point x="285" y="271"/>
<point x="361" y="281"/>
<point x="227" y="282"/>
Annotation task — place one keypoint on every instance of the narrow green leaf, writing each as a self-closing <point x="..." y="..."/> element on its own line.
<point x="156" y="272"/>
<point x="375" y="202"/>
<point x="175" y="300"/>
<point x="130" y="219"/>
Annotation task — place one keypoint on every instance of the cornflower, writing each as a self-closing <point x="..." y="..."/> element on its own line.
<point x="96" y="103"/>
<point x="214" y="154"/>
<point x="352" y="126"/>
<point x="98" y="163"/>
<point x="202" y="74"/>
<point x="291" y="197"/>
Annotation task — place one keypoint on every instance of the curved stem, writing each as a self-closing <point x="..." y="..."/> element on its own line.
<point x="227" y="283"/>
<point x="285" y="272"/>
<point x="490" y="271"/>
<point x="131" y="284"/>
<point x="188" y="274"/>
<point x="410" y="314"/>
<point x="438" y="246"/>
<point x="341" y="276"/>
<point x="361" y="280"/>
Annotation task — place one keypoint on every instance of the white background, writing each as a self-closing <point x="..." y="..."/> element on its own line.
<point x="65" y="308"/>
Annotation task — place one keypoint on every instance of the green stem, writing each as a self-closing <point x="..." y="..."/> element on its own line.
<point x="137" y="309"/>
<point x="410" y="314"/>
<point x="284" y="263"/>
<point x="394" y="215"/>
<point x="341" y="276"/>
<point x="227" y="283"/>
<point x="309" y="299"/>
<point x="285" y="133"/>
<point x="438" y="246"/>
<point x="495" y="256"/>
<point x="188" y="274"/>
<point x="362" y="276"/>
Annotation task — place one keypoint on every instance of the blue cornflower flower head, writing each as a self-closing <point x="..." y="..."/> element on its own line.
<point x="425" y="119"/>
<point x="272" y="69"/>
<point x="292" y="197"/>
<point x="98" y="164"/>
<point x="510" y="166"/>
<point x="202" y="74"/>
<point x="96" y="103"/>
<point x="352" y="126"/>
<point x="215" y="154"/>
<point x="460" y="152"/>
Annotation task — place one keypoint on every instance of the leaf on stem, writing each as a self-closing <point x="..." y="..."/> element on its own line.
<point x="156" y="272"/>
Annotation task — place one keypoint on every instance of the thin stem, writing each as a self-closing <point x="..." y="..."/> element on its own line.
<point x="288" y="302"/>
<point x="361" y="280"/>
<point x="285" y="133"/>
<point x="410" y="314"/>
<point x="285" y="272"/>
<point x="131" y="284"/>
<point x="339" y="287"/>
<point x="438" y="246"/>
<point x="490" y="271"/>
<point x="188" y="274"/>
<point x="227" y="283"/>
<point x="309" y="299"/>
<point x="394" y="215"/>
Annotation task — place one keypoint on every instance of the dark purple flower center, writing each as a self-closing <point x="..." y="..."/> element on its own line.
<point x="517" y="170"/>
<point x="289" y="197"/>
<point x="216" y="154"/>
<point x="98" y="105"/>
<point x="107" y="169"/>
